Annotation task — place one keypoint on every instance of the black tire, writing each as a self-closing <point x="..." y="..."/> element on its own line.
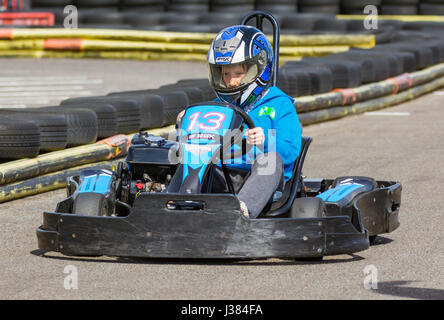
<point x="330" y="9"/>
<point x="283" y="83"/>
<point x="51" y="3"/>
<point x="431" y="9"/>
<point x="359" y="4"/>
<point x="321" y="78"/>
<point x="18" y="139"/>
<point x="299" y="82"/>
<point x="146" y="10"/>
<point x="97" y="3"/>
<point x="423" y="55"/>
<point x="398" y="9"/>
<point x="128" y="111"/>
<point x="346" y="74"/>
<point x="173" y="101"/>
<point x="151" y="106"/>
<point x="125" y="3"/>
<point x="128" y="115"/>
<point x="401" y="2"/>
<point x="310" y="207"/>
<point x="100" y="16"/>
<point x="220" y="18"/>
<point x="277" y="8"/>
<point x="319" y="2"/>
<point x="408" y="59"/>
<point x="232" y="6"/>
<point x="189" y="6"/>
<point x="194" y="94"/>
<point x="91" y="204"/>
<point x="53" y="128"/>
<point x="179" y="18"/>
<point x="375" y="66"/>
<point x="298" y="23"/>
<point x="203" y="84"/>
<point x="82" y="124"/>
<point x="106" y="117"/>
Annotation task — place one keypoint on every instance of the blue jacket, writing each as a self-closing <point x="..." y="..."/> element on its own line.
<point x="276" y="114"/>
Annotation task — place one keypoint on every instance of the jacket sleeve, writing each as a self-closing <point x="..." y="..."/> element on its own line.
<point x="288" y="132"/>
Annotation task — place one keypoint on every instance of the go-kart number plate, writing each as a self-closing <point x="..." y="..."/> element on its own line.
<point x="207" y="119"/>
<point x="214" y="120"/>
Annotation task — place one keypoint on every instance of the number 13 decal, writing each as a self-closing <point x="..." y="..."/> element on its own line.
<point x="216" y="123"/>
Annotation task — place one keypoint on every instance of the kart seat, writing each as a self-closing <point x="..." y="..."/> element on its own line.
<point x="282" y="204"/>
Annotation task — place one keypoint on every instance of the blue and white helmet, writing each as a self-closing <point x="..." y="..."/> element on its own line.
<point x="245" y="45"/>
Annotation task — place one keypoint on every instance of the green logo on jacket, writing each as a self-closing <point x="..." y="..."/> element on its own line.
<point x="267" y="111"/>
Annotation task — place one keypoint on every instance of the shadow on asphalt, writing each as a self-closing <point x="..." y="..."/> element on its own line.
<point x="399" y="289"/>
<point x="246" y="262"/>
<point x="381" y="240"/>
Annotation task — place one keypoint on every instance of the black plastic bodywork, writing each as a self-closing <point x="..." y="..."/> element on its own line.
<point x="213" y="227"/>
<point x="219" y="230"/>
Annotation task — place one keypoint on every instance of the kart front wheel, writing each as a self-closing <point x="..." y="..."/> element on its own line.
<point x="91" y="204"/>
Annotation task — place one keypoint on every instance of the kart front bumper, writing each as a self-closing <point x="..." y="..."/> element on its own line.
<point x="217" y="231"/>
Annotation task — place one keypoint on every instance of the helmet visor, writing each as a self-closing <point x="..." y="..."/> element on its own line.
<point x="234" y="77"/>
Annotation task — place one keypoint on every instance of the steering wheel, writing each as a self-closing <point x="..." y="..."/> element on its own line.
<point x="236" y="139"/>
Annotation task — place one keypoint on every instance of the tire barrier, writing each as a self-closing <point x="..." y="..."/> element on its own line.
<point x="337" y="112"/>
<point x="22" y="178"/>
<point x="151" y="45"/>
<point x="47" y="182"/>
<point x="129" y="13"/>
<point x="106" y="149"/>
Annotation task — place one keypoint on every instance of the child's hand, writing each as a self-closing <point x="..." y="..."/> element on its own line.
<point x="255" y="136"/>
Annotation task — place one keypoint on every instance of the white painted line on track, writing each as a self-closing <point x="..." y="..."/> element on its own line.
<point x="21" y="100"/>
<point x="42" y="78"/>
<point x="13" y="106"/>
<point x="48" y="83"/>
<point x="46" y="89"/>
<point x="40" y="94"/>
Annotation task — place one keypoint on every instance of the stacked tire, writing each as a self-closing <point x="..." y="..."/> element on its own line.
<point x="192" y="6"/>
<point x="319" y="6"/>
<point x="99" y="13"/>
<point x="232" y="6"/>
<point x="399" y="7"/>
<point x="431" y="7"/>
<point x="18" y="139"/>
<point x="358" y="6"/>
<point x="53" y="128"/>
<point x="145" y="6"/>
<point x="277" y="7"/>
<point x="132" y="111"/>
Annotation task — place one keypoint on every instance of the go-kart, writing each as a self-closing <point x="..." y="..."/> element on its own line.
<point x="161" y="202"/>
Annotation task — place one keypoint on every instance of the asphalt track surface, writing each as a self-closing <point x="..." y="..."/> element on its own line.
<point x="403" y="143"/>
